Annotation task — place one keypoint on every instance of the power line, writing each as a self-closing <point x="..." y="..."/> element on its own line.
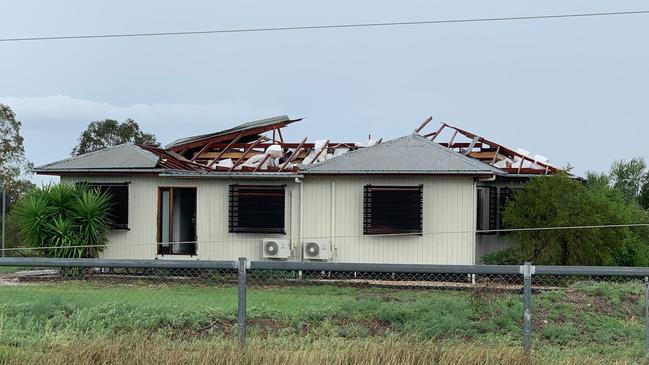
<point x="323" y="26"/>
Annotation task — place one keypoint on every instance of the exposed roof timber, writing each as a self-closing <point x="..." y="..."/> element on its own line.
<point x="201" y="152"/>
<point x="432" y="138"/>
<point x="261" y="163"/>
<point x="282" y="144"/>
<point x="172" y="160"/>
<point x="200" y="142"/>
<point x="235" y="140"/>
<point x="324" y="148"/>
<point x="423" y="124"/>
<point x="293" y="156"/>
<point x="503" y="150"/>
<point x="246" y="152"/>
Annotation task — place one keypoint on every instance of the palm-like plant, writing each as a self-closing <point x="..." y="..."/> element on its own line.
<point x="65" y="221"/>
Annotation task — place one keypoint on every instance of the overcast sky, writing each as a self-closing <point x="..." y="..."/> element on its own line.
<point x="574" y="90"/>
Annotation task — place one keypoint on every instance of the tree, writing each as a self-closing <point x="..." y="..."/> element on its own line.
<point x="14" y="166"/>
<point x="106" y="133"/>
<point x="561" y="201"/>
<point x="64" y="221"/>
<point x="629" y="177"/>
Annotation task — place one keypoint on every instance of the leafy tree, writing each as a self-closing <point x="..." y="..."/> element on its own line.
<point x="629" y="177"/>
<point x="643" y="198"/>
<point x="64" y="221"/>
<point x="106" y="133"/>
<point x="14" y="166"/>
<point x="561" y="201"/>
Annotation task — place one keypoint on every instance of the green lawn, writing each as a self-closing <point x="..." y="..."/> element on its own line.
<point x="604" y="321"/>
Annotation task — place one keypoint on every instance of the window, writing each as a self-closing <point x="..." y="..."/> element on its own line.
<point x="491" y="205"/>
<point x="118" y="193"/>
<point x="392" y="209"/>
<point x="257" y="208"/>
<point x="177" y="221"/>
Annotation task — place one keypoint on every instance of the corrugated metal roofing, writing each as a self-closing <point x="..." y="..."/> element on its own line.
<point x="412" y="154"/>
<point x="239" y="128"/>
<point x="124" y="156"/>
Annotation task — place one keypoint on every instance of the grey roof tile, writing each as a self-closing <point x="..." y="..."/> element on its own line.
<point x="412" y="154"/>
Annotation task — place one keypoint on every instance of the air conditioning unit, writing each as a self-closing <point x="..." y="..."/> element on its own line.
<point x="276" y="249"/>
<point x="317" y="250"/>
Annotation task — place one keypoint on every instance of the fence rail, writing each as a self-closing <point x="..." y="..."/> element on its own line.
<point x="525" y="280"/>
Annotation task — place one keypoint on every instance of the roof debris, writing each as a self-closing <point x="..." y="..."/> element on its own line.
<point x="258" y="148"/>
<point x="517" y="162"/>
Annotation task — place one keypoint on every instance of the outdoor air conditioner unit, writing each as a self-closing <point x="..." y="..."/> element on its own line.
<point x="317" y="250"/>
<point x="276" y="249"/>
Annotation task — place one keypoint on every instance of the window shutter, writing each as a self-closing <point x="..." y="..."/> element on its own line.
<point x="392" y="210"/>
<point x="257" y="208"/>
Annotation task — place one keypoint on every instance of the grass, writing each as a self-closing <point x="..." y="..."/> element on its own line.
<point x="56" y="322"/>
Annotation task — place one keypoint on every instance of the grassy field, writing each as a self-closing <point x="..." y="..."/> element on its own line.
<point x="72" y="321"/>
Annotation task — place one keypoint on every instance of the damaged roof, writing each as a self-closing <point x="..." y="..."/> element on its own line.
<point x="412" y="154"/>
<point x="124" y="157"/>
<point x="267" y="123"/>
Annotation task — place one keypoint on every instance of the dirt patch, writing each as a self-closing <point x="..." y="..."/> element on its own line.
<point x="583" y="301"/>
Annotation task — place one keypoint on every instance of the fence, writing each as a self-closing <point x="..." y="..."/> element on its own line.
<point x="536" y="305"/>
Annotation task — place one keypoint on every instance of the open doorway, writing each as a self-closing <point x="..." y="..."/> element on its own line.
<point x="177" y="221"/>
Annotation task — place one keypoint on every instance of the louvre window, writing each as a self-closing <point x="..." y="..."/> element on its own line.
<point x="491" y="205"/>
<point x="118" y="193"/>
<point x="257" y="208"/>
<point x="392" y="210"/>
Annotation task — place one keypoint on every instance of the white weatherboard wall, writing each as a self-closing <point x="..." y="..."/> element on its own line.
<point x="448" y="220"/>
<point x="212" y="204"/>
<point x="332" y="209"/>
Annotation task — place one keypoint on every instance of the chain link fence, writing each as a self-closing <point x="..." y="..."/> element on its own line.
<point x="541" y="307"/>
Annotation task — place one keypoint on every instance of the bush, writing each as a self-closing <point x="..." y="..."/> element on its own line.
<point x="64" y="221"/>
<point x="561" y="201"/>
<point x="509" y="256"/>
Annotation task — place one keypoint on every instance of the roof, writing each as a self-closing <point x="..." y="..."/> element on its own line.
<point x="261" y="123"/>
<point x="412" y="154"/>
<point x="124" y="157"/>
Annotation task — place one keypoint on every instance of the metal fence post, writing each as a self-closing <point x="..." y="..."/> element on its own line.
<point x="527" y="305"/>
<point x="241" y="308"/>
<point x="646" y="315"/>
<point x="4" y="214"/>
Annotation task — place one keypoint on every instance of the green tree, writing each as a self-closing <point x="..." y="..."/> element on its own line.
<point x="561" y="201"/>
<point x="64" y="221"/>
<point x="629" y="177"/>
<point x="15" y="169"/>
<point x="107" y="133"/>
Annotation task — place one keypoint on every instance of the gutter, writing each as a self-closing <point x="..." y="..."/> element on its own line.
<point x="231" y="175"/>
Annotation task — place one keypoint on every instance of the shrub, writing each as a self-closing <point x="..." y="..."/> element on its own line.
<point x="508" y="256"/>
<point x="64" y="221"/>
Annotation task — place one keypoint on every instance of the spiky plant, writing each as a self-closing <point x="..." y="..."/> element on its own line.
<point x="64" y="221"/>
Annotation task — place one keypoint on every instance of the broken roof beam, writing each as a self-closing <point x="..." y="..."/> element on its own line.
<point x="255" y="143"/>
<point x="423" y="124"/>
<point x="261" y="163"/>
<point x="293" y="156"/>
<point x="201" y="152"/>
<point x="502" y="149"/>
<point x="216" y="159"/>
<point x="436" y="134"/>
<point x="324" y="148"/>
<point x="225" y="137"/>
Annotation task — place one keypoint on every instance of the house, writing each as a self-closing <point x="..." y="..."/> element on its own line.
<point x="244" y="191"/>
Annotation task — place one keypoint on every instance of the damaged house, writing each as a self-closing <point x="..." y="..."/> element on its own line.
<point x="245" y="191"/>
